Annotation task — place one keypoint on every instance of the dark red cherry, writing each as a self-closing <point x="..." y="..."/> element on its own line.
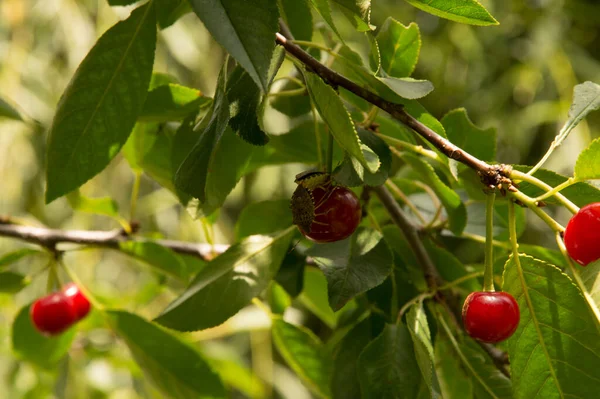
<point x="582" y="235"/>
<point x="337" y="214"/>
<point x="53" y="314"/>
<point x="80" y="301"/>
<point x="490" y="316"/>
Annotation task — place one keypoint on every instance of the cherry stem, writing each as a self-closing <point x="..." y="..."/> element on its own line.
<point x="532" y="204"/>
<point x="515" y="174"/>
<point x="488" y="274"/>
<point x="95" y="303"/>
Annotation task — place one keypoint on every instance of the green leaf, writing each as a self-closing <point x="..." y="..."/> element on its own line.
<point x="323" y="7"/>
<point x="157" y="256"/>
<point x="451" y="201"/>
<point x="416" y="321"/>
<point x="291" y="106"/>
<point x="244" y="97"/>
<point x="358" y="12"/>
<point x="314" y="296"/>
<point x="463" y="11"/>
<point x="352" y="174"/>
<point x="36" y="348"/>
<point x="333" y="111"/>
<point x="245" y="29"/>
<point x="455" y="383"/>
<point x="12" y="282"/>
<point x="449" y="266"/>
<point x="263" y="218"/>
<point x="101" y="103"/>
<point x="305" y="354"/>
<point x="174" y="367"/>
<point x="239" y="377"/>
<point x="99" y="206"/>
<point x="591" y="279"/>
<point x="227" y="283"/>
<point x="8" y="111"/>
<point x="344" y="381"/>
<point x="172" y="102"/>
<point x="580" y="193"/>
<point x="15" y="256"/>
<point x="290" y="275"/>
<point x="555" y="351"/>
<point x="586" y="98"/>
<point x="476" y="217"/>
<point x="399" y="47"/>
<point x="588" y="162"/>
<point x="462" y="132"/>
<point x="169" y="11"/>
<point x="297" y="15"/>
<point x="354" y="265"/>
<point x="387" y="367"/>
<point x="408" y="88"/>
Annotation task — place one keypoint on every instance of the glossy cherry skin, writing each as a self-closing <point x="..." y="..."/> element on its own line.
<point x="53" y="314"/>
<point x="582" y="235"/>
<point x="337" y="214"/>
<point x="80" y="302"/>
<point x="490" y="316"/>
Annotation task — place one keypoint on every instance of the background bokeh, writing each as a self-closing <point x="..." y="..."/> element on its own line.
<point x="517" y="77"/>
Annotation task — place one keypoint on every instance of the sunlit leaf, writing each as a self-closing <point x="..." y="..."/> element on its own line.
<point x="463" y="11"/>
<point x="101" y="103"/>
<point x="399" y="47"/>
<point x="172" y="102"/>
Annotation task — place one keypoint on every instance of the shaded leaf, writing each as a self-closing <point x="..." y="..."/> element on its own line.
<point x="245" y="29"/>
<point x="263" y="218"/>
<point x="323" y="7"/>
<point x="455" y="382"/>
<point x="333" y="111"/>
<point x="8" y="111"/>
<point x="304" y="353"/>
<point x="101" y="103"/>
<point x="354" y="265"/>
<point x="387" y="367"/>
<point x="297" y="15"/>
<point x="476" y="220"/>
<point x="463" y="11"/>
<point x="399" y="48"/>
<point x="227" y="283"/>
<point x="358" y="12"/>
<point x="175" y="367"/>
<point x="157" y="256"/>
<point x="169" y="11"/>
<point x="416" y="321"/>
<point x="172" y="102"/>
<point x="555" y="351"/>
<point x="12" y="257"/>
<point x="462" y="132"/>
<point x="290" y="275"/>
<point x="11" y="283"/>
<point x="36" y="348"/>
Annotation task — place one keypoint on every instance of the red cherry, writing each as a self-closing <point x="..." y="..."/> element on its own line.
<point x="80" y="301"/>
<point x="337" y="214"/>
<point x="490" y="316"/>
<point x="582" y="234"/>
<point x="52" y="314"/>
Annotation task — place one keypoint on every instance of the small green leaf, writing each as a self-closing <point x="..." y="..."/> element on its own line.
<point x="344" y="381"/>
<point x="175" y="367"/>
<point x="352" y="174"/>
<point x="399" y="47"/>
<point x="297" y="15"/>
<point x="245" y="29"/>
<point x="244" y="97"/>
<point x="416" y="321"/>
<point x="358" y="12"/>
<point x="227" y="283"/>
<point x="333" y="111"/>
<point x="305" y="354"/>
<point x="99" y="206"/>
<point x="451" y="201"/>
<point x="8" y="111"/>
<point x="11" y="283"/>
<point x="586" y="98"/>
<point x="555" y="351"/>
<point x="462" y="132"/>
<point x="15" y="256"/>
<point x="323" y="7"/>
<point x="169" y="11"/>
<point x="314" y="296"/>
<point x="157" y="256"/>
<point x="463" y="11"/>
<point x="387" y="367"/>
<point x="263" y="218"/>
<point x="587" y="166"/>
<point x="408" y="88"/>
<point x="580" y="193"/>
<point x="172" y="102"/>
<point x="36" y="348"/>
<point x="354" y="265"/>
<point x="101" y="103"/>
